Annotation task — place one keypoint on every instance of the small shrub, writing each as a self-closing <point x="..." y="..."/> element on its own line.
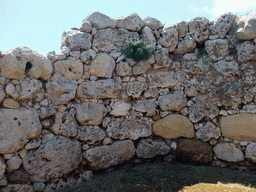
<point x="137" y="50"/>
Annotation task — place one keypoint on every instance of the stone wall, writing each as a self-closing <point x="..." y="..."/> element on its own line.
<point x="90" y="108"/>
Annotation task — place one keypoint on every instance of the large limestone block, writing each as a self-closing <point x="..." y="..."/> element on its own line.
<point x="120" y="107"/>
<point x="148" y="36"/>
<point x="149" y="149"/>
<point x="99" y="89"/>
<point x="208" y="131"/>
<point x="30" y="88"/>
<point x="172" y="102"/>
<point x="71" y="68"/>
<point x="131" y="129"/>
<point x="102" y="65"/>
<point x="91" y="134"/>
<point x="131" y="22"/>
<point x="141" y="67"/>
<point x="239" y="126"/>
<point x="250" y="152"/>
<point x="103" y="157"/>
<point x="169" y="37"/>
<point x="194" y="151"/>
<point x="89" y="113"/>
<point x="17" y="127"/>
<point x="247" y="27"/>
<point x="13" y="163"/>
<point x="182" y="28"/>
<point x="217" y="49"/>
<point x="145" y="106"/>
<point x="227" y="68"/>
<point x="15" y="61"/>
<point x="228" y="152"/>
<point x="199" y="29"/>
<point x="246" y="51"/>
<point x="185" y="46"/>
<point x="76" y="40"/>
<point x="134" y="89"/>
<point x="100" y="21"/>
<point x="123" y="69"/>
<point x="60" y="92"/>
<point x="174" y="126"/>
<point x="56" y="157"/>
<point x="162" y="58"/>
<point x="152" y="23"/>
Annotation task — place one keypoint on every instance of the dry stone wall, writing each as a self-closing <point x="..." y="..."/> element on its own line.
<point x="90" y="108"/>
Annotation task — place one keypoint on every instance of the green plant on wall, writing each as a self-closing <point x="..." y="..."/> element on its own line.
<point x="137" y="50"/>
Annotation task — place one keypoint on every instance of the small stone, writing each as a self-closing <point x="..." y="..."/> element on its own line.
<point x="107" y="141"/>
<point x="228" y="152"/>
<point x="174" y="146"/>
<point x="106" y="121"/>
<point x="223" y="112"/>
<point x="11" y="103"/>
<point x="120" y="107"/>
<point x="3" y="182"/>
<point x="13" y="163"/>
<point x="39" y="186"/>
<point x="23" y="153"/>
<point x="85" y="147"/>
<point x="88" y="175"/>
<point x="47" y="137"/>
<point x="8" y="156"/>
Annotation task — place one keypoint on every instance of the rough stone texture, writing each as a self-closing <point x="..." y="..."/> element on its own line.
<point x="200" y="66"/>
<point x="148" y="36"/>
<point x="246" y="52"/>
<point x="2" y="167"/>
<point x="39" y="186"/>
<point x="120" y="108"/>
<point x="151" y="92"/>
<point x="17" y="127"/>
<point x="56" y="56"/>
<point x="173" y="126"/>
<point x="11" y="103"/>
<point x="208" y="131"/>
<point x="18" y="176"/>
<point x="3" y="182"/>
<point x="91" y="134"/>
<point x="239" y="126"/>
<point x="200" y="110"/>
<point x="149" y="149"/>
<point x="11" y="90"/>
<point x="15" y="61"/>
<point x="217" y="49"/>
<point x="30" y="89"/>
<point x="2" y="93"/>
<point x="65" y="123"/>
<point x="102" y="65"/>
<point x="103" y="157"/>
<point x="131" y="129"/>
<point x="246" y="27"/>
<point x="194" y="151"/>
<point x="227" y="68"/>
<point x="87" y="55"/>
<point x="152" y="23"/>
<point x="249" y="77"/>
<point x="89" y="113"/>
<point x="250" y="108"/>
<point x="123" y="69"/>
<point x="60" y="92"/>
<point x="134" y="89"/>
<point x="182" y="28"/>
<point x="169" y="37"/>
<point x="145" y="106"/>
<point x="171" y="102"/>
<point x="222" y="25"/>
<point x="162" y="58"/>
<point x="71" y="68"/>
<point x="130" y="22"/>
<point x="76" y="40"/>
<point x="13" y="163"/>
<point x="199" y="29"/>
<point x="185" y="46"/>
<point x="100" y="21"/>
<point x="228" y="152"/>
<point x="53" y="159"/>
<point x="141" y="67"/>
<point x="250" y="152"/>
<point x="18" y="188"/>
<point x="99" y="89"/>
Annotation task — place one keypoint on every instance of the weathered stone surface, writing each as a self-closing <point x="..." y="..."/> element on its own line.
<point x="15" y="61"/>
<point x="131" y="129"/>
<point x="197" y="66"/>
<point x="2" y="93"/>
<point x="65" y="123"/>
<point x="145" y="106"/>
<point x="18" y="188"/>
<point x="103" y="157"/>
<point x="227" y="68"/>
<point x="194" y="151"/>
<point x="60" y="92"/>
<point x="99" y="89"/>
<point x="141" y="67"/>
<point x="39" y="186"/>
<point x="134" y="89"/>
<point x="3" y="182"/>
<point x="173" y="126"/>
<point x="102" y="65"/>
<point x="162" y="58"/>
<point x="100" y="21"/>
<point x="217" y="49"/>
<point x="172" y="102"/>
<point x="2" y="167"/>
<point x="151" y="92"/>
<point x="30" y="89"/>
<point x="222" y="25"/>
<point x="239" y="126"/>
<point x="208" y="131"/>
<point x="249" y="77"/>
<point x="131" y="22"/>
<point x="18" y="176"/>
<point x="17" y="127"/>
<point x="89" y="113"/>
<point x="166" y="79"/>
<point x="152" y="23"/>
<point x="10" y="103"/>
<point x="169" y="37"/>
<point x="148" y="36"/>
<point x="123" y="69"/>
<point x="246" y="52"/>
<point x="13" y="163"/>
<point x="148" y="148"/>
<point x="250" y="152"/>
<point x="199" y="29"/>
<point x="200" y="110"/>
<point x="47" y="112"/>
<point x="250" y="108"/>
<point x="228" y="152"/>
<point x="76" y="40"/>
<point x="87" y="55"/>
<point x="71" y="68"/>
<point x="246" y="27"/>
<point x="53" y="159"/>
<point x="11" y="90"/>
<point x="185" y="46"/>
<point x="91" y="134"/>
<point x="56" y="56"/>
<point x="120" y="107"/>
<point x="182" y="28"/>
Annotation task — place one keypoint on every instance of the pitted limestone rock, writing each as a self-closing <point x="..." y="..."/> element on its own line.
<point x="200" y="66"/>
<point x="91" y="134"/>
<point x="182" y="28"/>
<point x="2" y="167"/>
<point x="169" y="37"/>
<point x="208" y="131"/>
<point x="17" y="127"/>
<point x="56" y="56"/>
<point x="227" y="68"/>
<point x="30" y="89"/>
<point x="2" y="93"/>
<point x="148" y="36"/>
<point x="185" y="46"/>
<point x="141" y="67"/>
<point x="123" y="69"/>
<point x="71" y="68"/>
<point x="199" y="29"/>
<point x="13" y="163"/>
<point x="246" y="52"/>
<point x="56" y="157"/>
<point x="217" y="49"/>
<point x="145" y="106"/>
<point x="130" y="22"/>
<point x="172" y="102"/>
<point x="120" y="107"/>
<point x="134" y="89"/>
<point x="100" y="21"/>
<point x="249" y="77"/>
<point x="89" y="113"/>
<point x="16" y="61"/>
<point x="174" y="126"/>
<point x="250" y="152"/>
<point x="105" y="156"/>
<point x="152" y="23"/>
<point x="162" y="58"/>
<point x="228" y="152"/>
<point x="87" y="55"/>
<point x="131" y="129"/>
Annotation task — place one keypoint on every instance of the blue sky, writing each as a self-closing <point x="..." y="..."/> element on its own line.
<point x="39" y="24"/>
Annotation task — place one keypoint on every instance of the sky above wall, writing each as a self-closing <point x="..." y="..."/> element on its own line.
<point x="39" y="24"/>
